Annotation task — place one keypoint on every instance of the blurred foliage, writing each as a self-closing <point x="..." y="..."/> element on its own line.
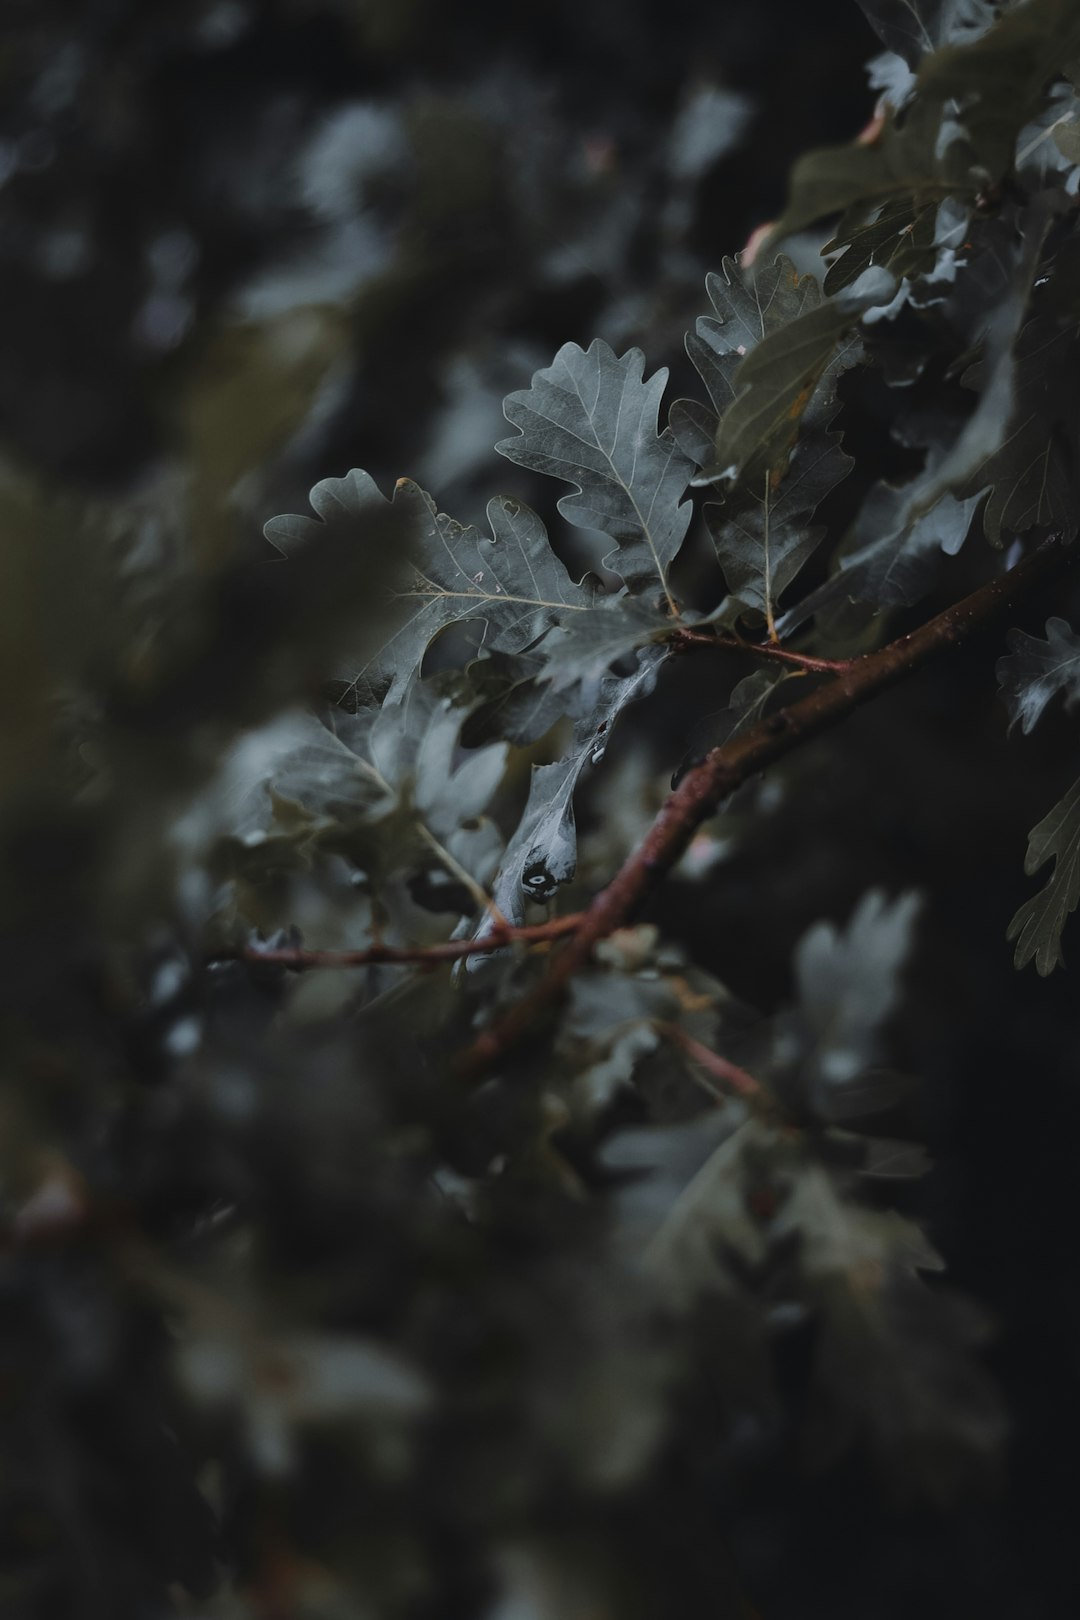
<point x="294" y="1324"/>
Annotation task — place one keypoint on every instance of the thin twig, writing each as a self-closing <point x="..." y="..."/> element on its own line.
<point x="764" y="649"/>
<point x="705" y="785"/>
<point x="450" y="950"/>
<point x="720" y="1068"/>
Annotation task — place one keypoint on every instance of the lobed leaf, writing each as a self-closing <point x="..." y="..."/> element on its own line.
<point x="623" y="1008"/>
<point x="746" y="311"/>
<point x="510" y="582"/>
<point x="762" y="531"/>
<point x="582" y="648"/>
<point x="915" y="28"/>
<point x="901" y="170"/>
<point x="763" y="539"/>
<point x="1038" y="925"/>
<point x="686" y="1205"/>
<point x="981" y="78"/>
<point x="987" y="445"/>
<point x="848" y="986"/>
<point x="892" y="553"/>
<point x="1027" y="466"/>
<point x="542" y="854"/>
<point x="901" y="238"/>
<point x="994" y="83"/>
<point x="1036" y="671"/>
<point x="414" y="746"/>
<point x="777" y="381"/>
<point x="375" y="786"/>
<point x="590" y="419"/>
<point x="861" y="1271"/>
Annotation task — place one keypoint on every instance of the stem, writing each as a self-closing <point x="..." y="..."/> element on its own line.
<point x="726" y="768"/>
<point x="720" y="1068"/>
<point x="764" y="649"/>
<point x="466" y="879"/>
<point x="451" y="950"/>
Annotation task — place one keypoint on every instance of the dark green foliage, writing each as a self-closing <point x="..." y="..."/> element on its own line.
<point x="298" y="1321"/>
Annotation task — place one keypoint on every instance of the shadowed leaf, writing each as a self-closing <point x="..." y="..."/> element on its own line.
<point x="891" y="558"/>
<point x="542" y="854"/>
<point x="1038" y="925"/>
<point x="914" y="28"/>
<point x="511" y="581"/>
<point x="776" y="383"/>
<point x="762" y="530"/>
<point x="1028" y="469"/>
<point x="876" y="1321"/>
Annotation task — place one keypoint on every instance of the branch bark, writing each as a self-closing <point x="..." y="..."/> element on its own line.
<point x="704" y="786"/>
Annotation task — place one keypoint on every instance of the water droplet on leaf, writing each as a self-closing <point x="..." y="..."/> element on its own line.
<point x="538" y="882"/>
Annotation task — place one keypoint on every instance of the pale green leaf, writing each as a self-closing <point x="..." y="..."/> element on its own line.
<point x="1036" y="671"/>
<point x="590" y="418"/>
<point x="511" y="582"/>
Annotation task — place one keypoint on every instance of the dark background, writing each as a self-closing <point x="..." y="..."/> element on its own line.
<point x="259" y="244"/>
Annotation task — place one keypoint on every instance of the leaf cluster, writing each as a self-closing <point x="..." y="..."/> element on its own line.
<point x="365" y="1338"/>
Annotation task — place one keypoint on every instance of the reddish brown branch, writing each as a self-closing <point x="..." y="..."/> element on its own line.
<point x="451" y="950"/>
<point x="720" y="1068"/>
<point x="722" y="771"/>
<point x="764" y="649"/>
